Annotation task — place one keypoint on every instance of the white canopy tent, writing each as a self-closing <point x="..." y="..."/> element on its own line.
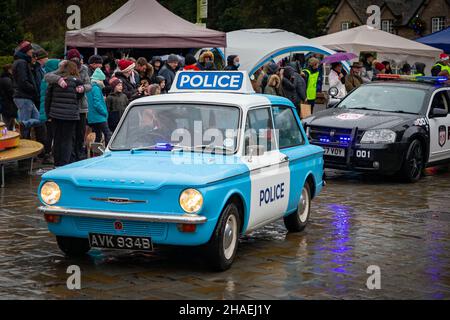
<point x="255" y="47"/>
<point x="388" y="46"/>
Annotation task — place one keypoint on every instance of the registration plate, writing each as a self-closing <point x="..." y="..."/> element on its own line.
<point x="335" y="152"/>
<point x="104" y="241"/>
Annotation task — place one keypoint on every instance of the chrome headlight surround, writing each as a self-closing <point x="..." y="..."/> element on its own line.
<point x="379" y="136"/>
<point x="50" y="193"/>
<point x="191" y="201"/>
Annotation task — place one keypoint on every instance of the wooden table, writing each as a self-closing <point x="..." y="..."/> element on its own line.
<point x="27" y="149"/>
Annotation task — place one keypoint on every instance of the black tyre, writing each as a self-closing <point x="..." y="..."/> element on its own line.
<point x="298" y="221"/>
<point x="222" y="248"/>
<point x="414" y="162"/>
<point x="74" y="247"/>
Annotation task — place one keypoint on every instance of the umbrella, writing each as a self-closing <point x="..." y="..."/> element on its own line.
<point x="340" y="56"/>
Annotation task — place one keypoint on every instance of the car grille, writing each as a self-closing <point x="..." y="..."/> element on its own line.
<point x="331" y="136"/>
<point x="130" y="228"/>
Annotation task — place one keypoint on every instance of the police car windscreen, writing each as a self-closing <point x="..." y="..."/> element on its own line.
<point x="185" y="125"/>
<point x="386" y="98"/>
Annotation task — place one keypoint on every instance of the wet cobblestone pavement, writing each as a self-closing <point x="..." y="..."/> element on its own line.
<point x="358" y="221"/>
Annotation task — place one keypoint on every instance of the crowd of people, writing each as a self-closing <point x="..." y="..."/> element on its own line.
<point x="301" y="81"/>
<point x="65" y="99"/>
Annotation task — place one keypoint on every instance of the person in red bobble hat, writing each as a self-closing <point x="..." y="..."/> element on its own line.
<point x="125" y="68"/>
<point x="79" y="152"/>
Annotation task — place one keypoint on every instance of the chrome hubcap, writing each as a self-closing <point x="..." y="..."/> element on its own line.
<point x="303" y="207"/>
<point x="230" y="237"/>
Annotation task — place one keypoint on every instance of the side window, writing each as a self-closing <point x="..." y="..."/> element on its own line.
<point x="441" y="101"/>
<point x="287" y="128"/>
<point x="258" y="132"/>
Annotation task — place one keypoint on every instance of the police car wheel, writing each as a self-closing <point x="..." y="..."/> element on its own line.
<point x="73" y="246"/>
<point x="223" y="246"/>
<point x="298" y="221"/>
<point x="414" y="162"/>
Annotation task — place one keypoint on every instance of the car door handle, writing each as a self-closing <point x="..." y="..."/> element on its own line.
<point x="285" y="158"/>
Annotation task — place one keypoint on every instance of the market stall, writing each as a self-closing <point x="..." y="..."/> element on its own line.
<point x="388" y="46"/>
<point x="440" y="40"/>
<point x="144" y="24"/>
<point x="255" y="47"/>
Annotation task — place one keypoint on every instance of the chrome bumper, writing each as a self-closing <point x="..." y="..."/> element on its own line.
<point x="144" y="217"/>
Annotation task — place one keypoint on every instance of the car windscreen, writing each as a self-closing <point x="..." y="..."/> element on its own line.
<point x="197" y="128"/>
<point x="386" y="98"/>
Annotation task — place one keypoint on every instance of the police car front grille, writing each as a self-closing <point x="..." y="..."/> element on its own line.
<point x="329" y="135"/>
<point x="130" y="228"/>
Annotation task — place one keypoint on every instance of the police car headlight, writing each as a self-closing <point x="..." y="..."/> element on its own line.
<point x="191" y="201"/>
<point x="50" y="193"/>
<point x="379" y="136"/>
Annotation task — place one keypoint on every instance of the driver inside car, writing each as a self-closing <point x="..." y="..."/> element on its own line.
<point x="153" y="128"/>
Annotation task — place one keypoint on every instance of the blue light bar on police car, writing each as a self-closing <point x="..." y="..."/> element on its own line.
<point x="212" y="81"/>
<point x="428" y="79"/>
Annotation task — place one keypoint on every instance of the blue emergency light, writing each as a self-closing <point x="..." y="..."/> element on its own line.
<point x="429" y="79"/>
<point x="432" y="79"/>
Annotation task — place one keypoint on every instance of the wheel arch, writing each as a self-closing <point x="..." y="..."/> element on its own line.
<point x="311" y="180"/>
<point x="236" y="197"/>
<point x="425" y="144"/>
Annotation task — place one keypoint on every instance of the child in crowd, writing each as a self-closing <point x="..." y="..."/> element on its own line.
<point x="153" y="90"/>
<point x="116" y="102"/>
<point x="162" y="84"/>
<point x="98" y="111"/>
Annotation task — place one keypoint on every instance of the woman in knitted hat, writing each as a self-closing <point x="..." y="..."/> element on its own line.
<point x="98" y="111"/>
<point x="116" y="102"/>
<point x="123" y="73"/>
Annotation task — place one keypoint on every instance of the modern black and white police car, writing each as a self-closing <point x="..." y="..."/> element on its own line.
<point x="388" y="127"/>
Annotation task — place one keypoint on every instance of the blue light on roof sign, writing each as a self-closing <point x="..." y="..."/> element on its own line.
<point x="217" y="81"/>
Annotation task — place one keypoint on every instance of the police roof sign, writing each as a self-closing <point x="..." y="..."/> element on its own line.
<point x="212" y="81"/>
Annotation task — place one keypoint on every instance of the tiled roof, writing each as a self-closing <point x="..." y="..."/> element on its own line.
<point x="402" y="10"/>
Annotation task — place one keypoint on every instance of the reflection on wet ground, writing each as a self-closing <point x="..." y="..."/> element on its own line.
<point x="358" y="221"/>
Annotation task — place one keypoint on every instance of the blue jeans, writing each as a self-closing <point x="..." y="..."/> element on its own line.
<point x="28" y="114"/>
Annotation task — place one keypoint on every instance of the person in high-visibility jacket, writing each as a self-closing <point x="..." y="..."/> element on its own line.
<point x="312" y="78"/>
<point x="442" y="65"/>
<point x="420" y="69"/>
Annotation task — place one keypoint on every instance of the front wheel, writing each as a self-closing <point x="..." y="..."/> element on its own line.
<point x="414" y="162"/>
<point x="222" y="248"/>
<point x="73" y="247"/>
<point x="298" y="221"/>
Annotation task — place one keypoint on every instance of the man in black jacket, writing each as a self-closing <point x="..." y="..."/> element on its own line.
<point x="26" y="92"/>
<point x="9" y="109"/>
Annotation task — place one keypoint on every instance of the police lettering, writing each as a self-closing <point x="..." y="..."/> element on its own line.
<point x="210" y="81"/>
<point x="271" y="194"/>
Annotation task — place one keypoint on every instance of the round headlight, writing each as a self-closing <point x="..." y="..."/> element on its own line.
<point x="50" y="193"/>
<point x="191" y="201"/>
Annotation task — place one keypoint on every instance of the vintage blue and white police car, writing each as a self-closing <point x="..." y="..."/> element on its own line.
<point x="390" y="126"/>
<point x="197" y="167"/>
